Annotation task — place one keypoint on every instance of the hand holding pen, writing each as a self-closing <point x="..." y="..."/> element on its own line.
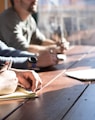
<point x="63" y="45"/>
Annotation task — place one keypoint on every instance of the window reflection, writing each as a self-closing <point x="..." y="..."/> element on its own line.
<point x="73" y="18"/>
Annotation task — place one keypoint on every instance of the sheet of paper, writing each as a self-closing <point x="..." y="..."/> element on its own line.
<point x="88" y="74"/>
<point x="61" y="56"/>
<point x="18" y="94"/>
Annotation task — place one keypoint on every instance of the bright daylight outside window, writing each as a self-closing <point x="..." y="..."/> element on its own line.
<point x="74" y="19"/>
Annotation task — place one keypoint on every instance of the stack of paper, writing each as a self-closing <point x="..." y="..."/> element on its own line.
<point x="18" y="94"/>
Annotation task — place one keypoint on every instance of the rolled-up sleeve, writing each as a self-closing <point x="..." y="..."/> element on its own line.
<point x="20" y="63"/>
<point x="18" y="58"/>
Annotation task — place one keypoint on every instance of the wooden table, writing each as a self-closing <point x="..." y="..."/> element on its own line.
<point x="61" y="97"/>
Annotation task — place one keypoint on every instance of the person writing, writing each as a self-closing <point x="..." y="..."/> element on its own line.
<point x="29" y="79"/>
<point x="18" y="29"/>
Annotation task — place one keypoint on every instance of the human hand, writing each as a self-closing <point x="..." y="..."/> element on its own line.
<point x="29" y="79"/>
<point x="65" y="43"/>
<point x="62" y="46"/>
<point x="47" y="57"/>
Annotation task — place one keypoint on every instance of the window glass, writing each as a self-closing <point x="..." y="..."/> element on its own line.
<point x="75" y="19"/>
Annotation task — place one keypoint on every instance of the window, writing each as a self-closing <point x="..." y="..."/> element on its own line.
<point x="74" y="18"/>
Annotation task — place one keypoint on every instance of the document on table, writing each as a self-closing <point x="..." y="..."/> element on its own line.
<point x="88" y="74"/>
<point x="20" y="93"/>
<point x="61" y="57"/>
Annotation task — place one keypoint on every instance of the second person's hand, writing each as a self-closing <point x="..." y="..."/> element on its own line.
<point x="47" y="57"/>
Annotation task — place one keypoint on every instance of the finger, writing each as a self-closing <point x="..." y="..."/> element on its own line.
<point x="54" y="57"/>
<point x="24" y="82"/>
<point x="36" y="82"/>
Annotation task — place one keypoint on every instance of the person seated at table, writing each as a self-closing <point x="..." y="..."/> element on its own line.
<point x="26" y="60"/>
<point x="29" y="79"/>
<point x="18" y="29"/>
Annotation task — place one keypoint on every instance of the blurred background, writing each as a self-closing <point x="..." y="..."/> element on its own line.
<point x="73" y="19"/>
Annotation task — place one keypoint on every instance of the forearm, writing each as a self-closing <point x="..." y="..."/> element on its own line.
<point x="17" y="62"/>
<point x="15" y="53"/>
<point x="48" y="42"/>
<point x="34" y="48"/>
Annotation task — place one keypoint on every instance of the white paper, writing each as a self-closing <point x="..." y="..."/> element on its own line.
<point x="18" y="94"/>
<point x="88" y="74"/>
<point x="61" y="56"/>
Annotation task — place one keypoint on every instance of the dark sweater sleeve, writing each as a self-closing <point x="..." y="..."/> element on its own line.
<point x="20" y="63"/>
<point x="10" y="51"/>
<point x="18" y="58"/>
